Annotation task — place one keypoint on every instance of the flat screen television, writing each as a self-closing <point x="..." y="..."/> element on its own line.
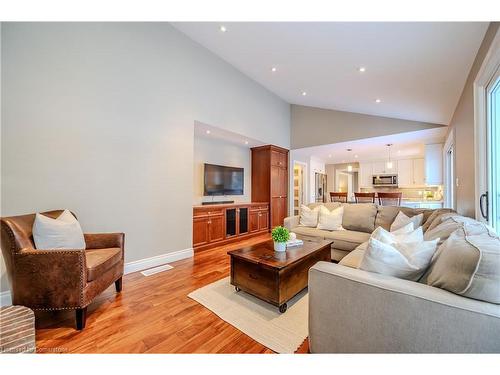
<point x="221" y="180"/>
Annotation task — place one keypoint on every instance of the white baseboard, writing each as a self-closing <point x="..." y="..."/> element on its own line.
<point x="5" y="299"/>
<point x="158" y="260"/>
<point x="130" y="267"/>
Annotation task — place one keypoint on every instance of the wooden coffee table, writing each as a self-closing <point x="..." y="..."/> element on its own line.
<point x="276" y="277"/>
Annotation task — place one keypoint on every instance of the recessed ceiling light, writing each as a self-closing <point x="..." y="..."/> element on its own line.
<point x="208" y="132"/>
<point x="246" y="142"/>
<point x="304" y="93"/>
<point x="330" y="155"/>
<point x="223" y="28"/>
<point x="362" y="69"/>
<point x="378" y="100"/>
<point x="273" y="69"/>
<point x="356" y="156"/>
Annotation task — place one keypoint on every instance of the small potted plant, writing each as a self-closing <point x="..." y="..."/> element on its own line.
<point x="280" y="236"/>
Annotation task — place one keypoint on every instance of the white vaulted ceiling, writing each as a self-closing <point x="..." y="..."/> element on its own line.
<point x="418" y="70"/>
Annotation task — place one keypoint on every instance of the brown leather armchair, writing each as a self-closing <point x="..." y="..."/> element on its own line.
<point x="59" y="279"/>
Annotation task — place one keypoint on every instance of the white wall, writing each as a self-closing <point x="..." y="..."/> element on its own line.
<point x="221" y="152"/>
<point x="99" y="118"/>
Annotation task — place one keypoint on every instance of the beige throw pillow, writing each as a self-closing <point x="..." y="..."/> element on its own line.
<point x="309" y="217"/>
<point x="403" y="260"/>
<point x="63" y="233"/>
<point x="330" y="220"/>
<point x="401" y="220"/>
<point x="468" y="263"/>
<point x="449" y="224"/>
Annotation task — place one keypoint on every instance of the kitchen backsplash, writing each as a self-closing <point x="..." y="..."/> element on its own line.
<point x="428" y="193"/>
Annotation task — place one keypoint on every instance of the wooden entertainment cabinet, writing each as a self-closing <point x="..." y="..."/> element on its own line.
<point x="218" y="224"/>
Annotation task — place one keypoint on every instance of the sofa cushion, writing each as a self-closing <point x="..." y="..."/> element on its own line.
<point x="342" y="239"/>
<point x="353" y="259"/>
<point x="338" y="255"/>
<point x="359" y="217"/>
<point x="347" y="239"/>
<point x="101" y="260"/>
<point x="387" y="214"/>
<point x="468" y="263"/>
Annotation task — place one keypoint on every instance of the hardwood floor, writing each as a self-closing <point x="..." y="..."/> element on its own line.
<point x="153" y="315"/>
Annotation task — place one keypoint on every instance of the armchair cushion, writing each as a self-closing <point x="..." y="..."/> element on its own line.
<point x="101" y="260"/>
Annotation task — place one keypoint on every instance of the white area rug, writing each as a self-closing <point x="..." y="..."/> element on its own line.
<point x="282" y="333"/>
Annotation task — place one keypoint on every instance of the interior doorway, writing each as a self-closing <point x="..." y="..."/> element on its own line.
<point x="299" y="186"/>
<point x="347" y="181"/>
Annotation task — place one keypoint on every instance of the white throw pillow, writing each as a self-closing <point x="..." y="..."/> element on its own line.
<point x="61" y="233"/>
<point x="401" y="220"/>
<point x="330" y="220"/>
<point x="308" y="217"/>
<point x="397" y="236"/>
<point x="408" y="228"/>
<point x="403" y="260"/>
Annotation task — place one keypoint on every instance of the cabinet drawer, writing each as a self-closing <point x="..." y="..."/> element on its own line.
<point x="208" y="211"/>
<point x="258" y="281"/>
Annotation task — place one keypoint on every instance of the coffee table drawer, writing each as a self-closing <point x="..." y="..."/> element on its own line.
<point x="257" y="280"/>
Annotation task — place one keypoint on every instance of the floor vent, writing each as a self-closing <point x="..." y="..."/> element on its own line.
<point x="158" y="269"/>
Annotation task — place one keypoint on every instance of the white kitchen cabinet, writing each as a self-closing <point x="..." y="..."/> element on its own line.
<point x="431" y="205"/>
<point x="434" y="164"/>
<point x="380" y="167"/>
<point x="418" y="172"/>
<point x="411" y="173"/>
<point x="365" y="175"/>
<point x="422" y="204"/>
<point x="405" y="173"/>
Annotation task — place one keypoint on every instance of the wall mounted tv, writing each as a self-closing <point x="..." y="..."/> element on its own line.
<point x="221" y="180"/>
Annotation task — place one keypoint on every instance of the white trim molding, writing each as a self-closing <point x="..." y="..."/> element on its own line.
<point x="158" y="260"/>
<point x="490" y="65"/>
<point x="130" y="267"/>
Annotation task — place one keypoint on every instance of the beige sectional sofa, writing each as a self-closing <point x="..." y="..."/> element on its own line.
<point x="359" y="221"/>
<point x="355" y="311"/>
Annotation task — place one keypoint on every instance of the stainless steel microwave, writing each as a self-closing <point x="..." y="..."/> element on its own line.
<point x="385" y="180"/>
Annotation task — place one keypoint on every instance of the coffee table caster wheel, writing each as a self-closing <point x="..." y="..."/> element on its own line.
<point x="237" y="288"/>
<point x="283" y="308"/>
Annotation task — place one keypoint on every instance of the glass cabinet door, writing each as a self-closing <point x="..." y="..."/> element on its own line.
<point x="230" y="222"/>
<point x="243" y="220"/>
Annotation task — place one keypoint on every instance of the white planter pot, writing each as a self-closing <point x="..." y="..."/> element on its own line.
<point x="280" y="246"/>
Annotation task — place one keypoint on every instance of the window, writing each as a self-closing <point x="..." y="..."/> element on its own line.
<point x="487" y="137"/>
<point x="449" y="172"/>
<point x="492" y="198"/>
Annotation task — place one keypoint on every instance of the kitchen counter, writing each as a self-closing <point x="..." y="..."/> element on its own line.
<point x="421" y="203"/>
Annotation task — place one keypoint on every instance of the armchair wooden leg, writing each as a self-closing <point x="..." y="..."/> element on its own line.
<point x="81" y="318"/>
<point x="118" y="285"/>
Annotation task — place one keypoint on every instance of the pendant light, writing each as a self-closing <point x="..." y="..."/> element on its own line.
<point x="349" y="167"/>
<point x="389" y="163"/>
